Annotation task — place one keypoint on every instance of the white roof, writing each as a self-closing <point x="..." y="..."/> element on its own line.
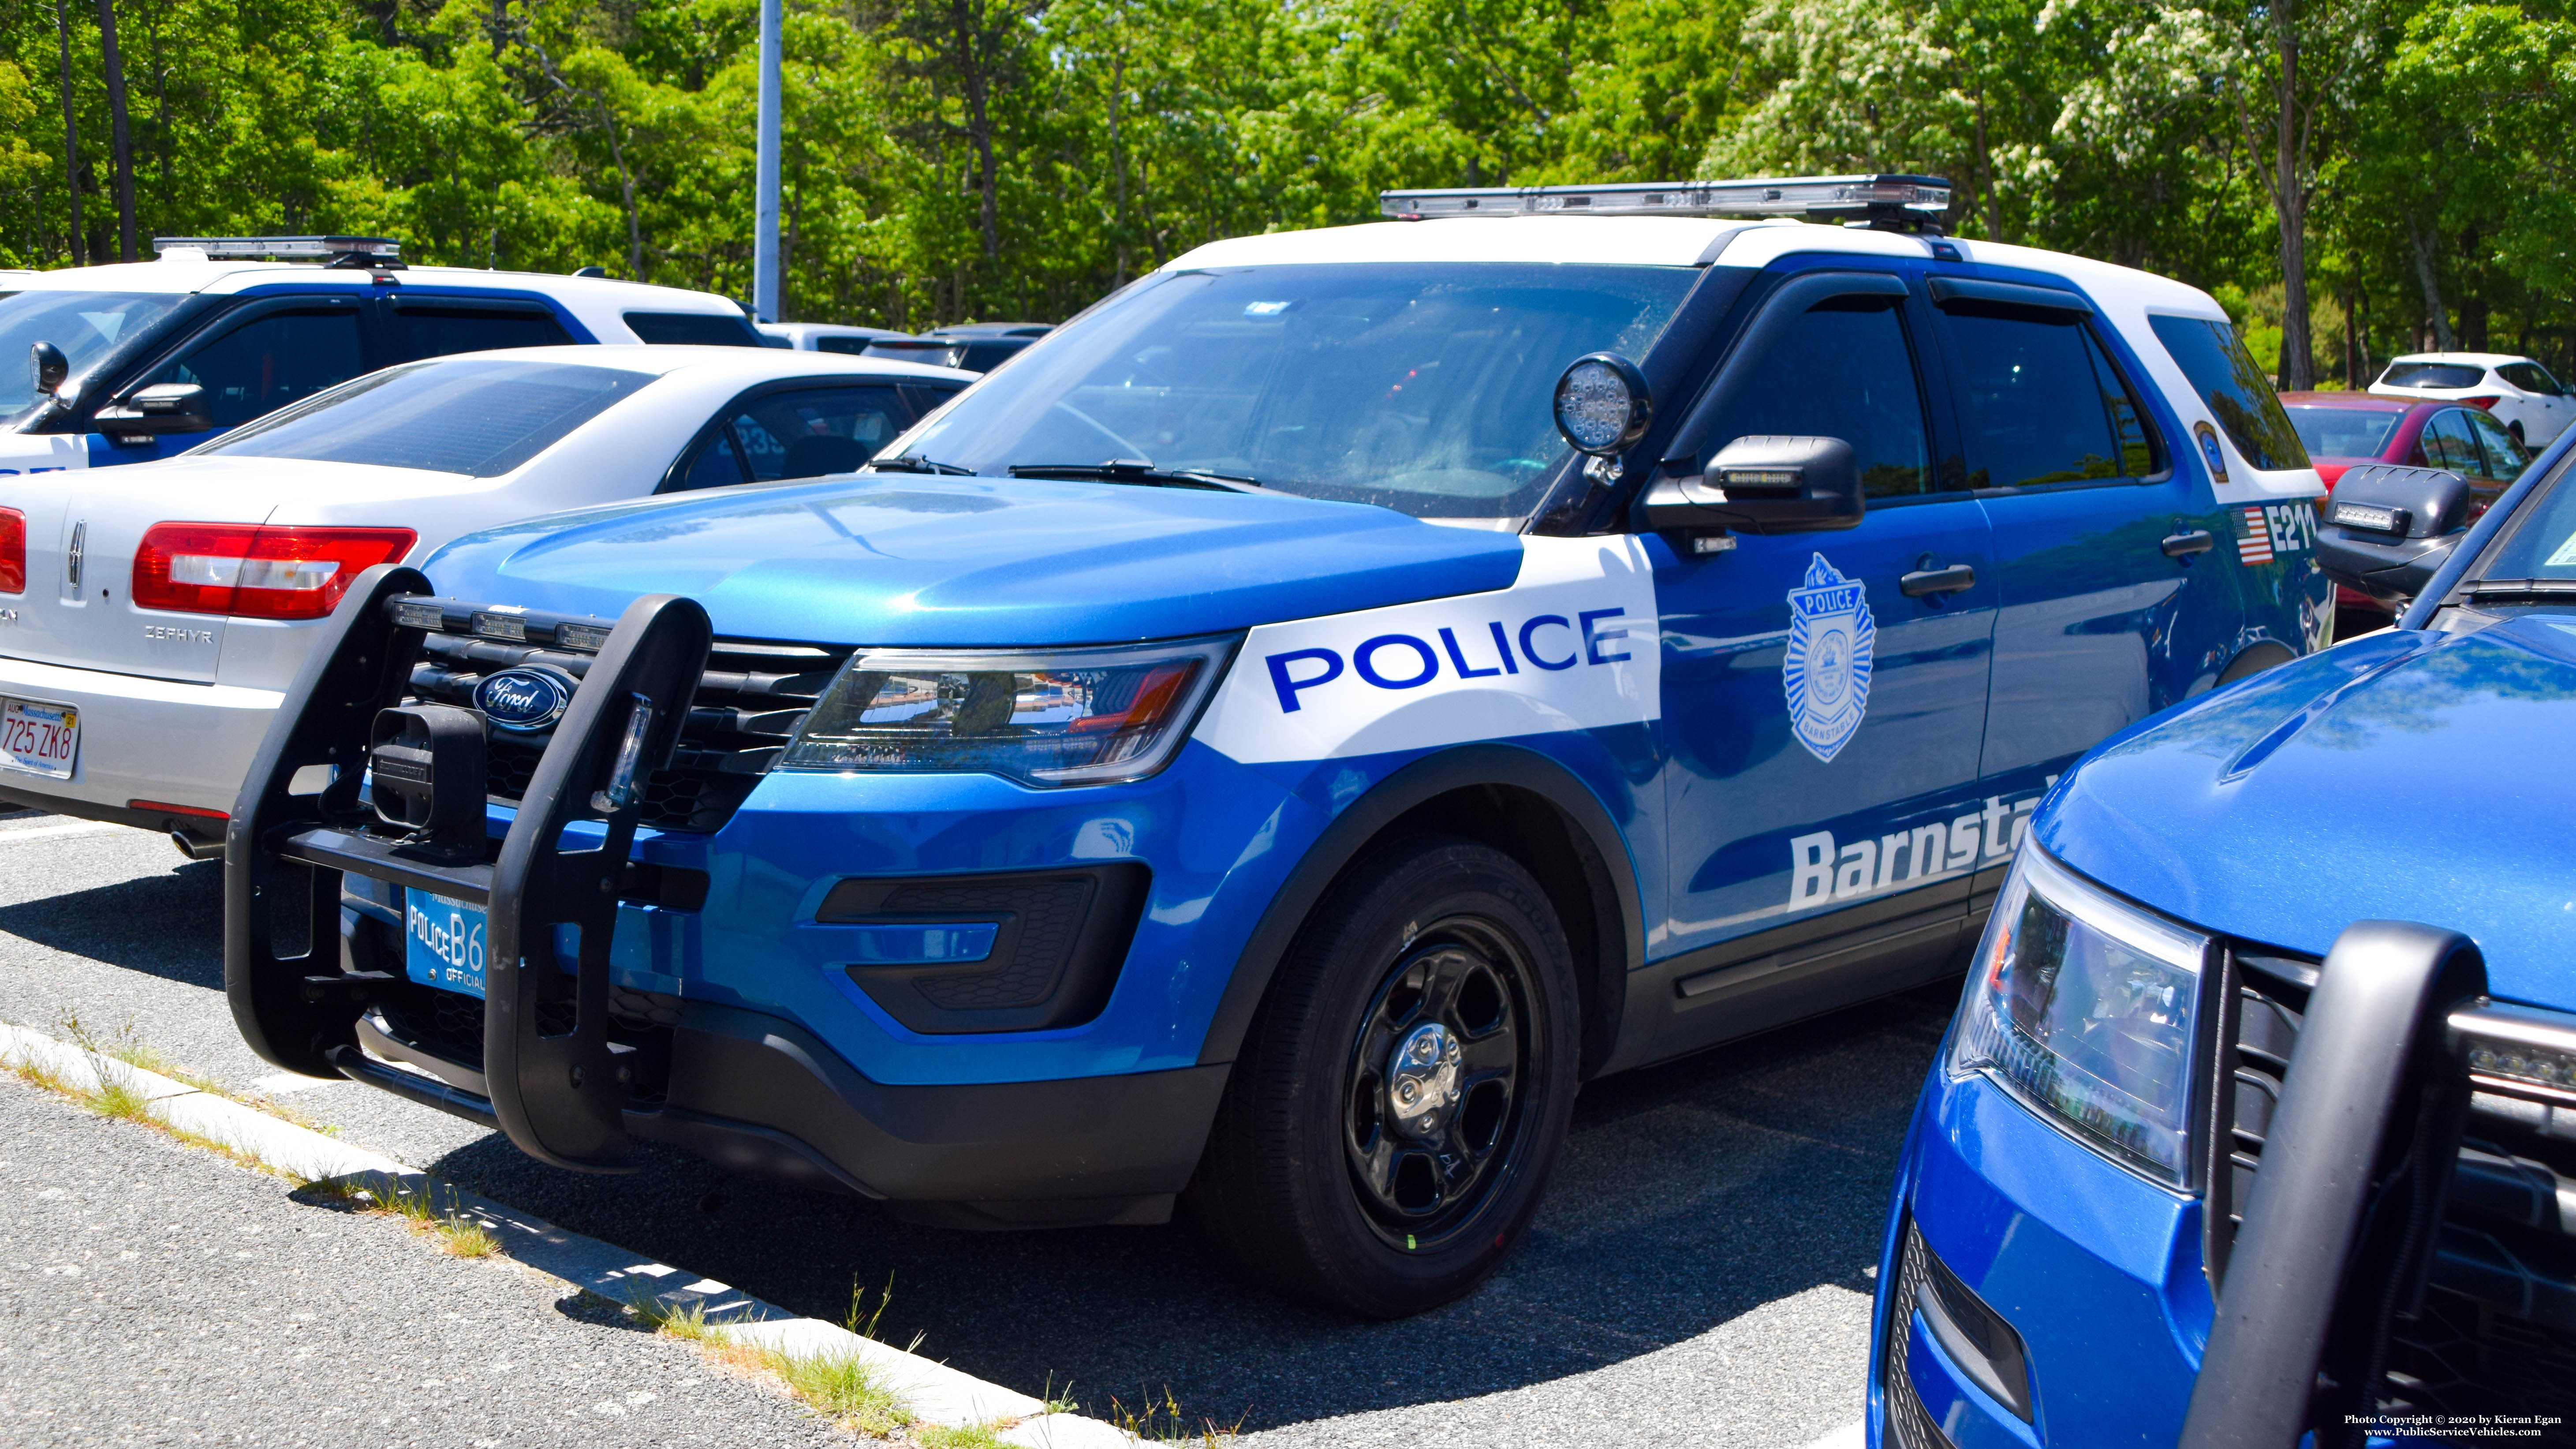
<point x="2465" y="359"/>
<point x="750" y="364"/>
<point x="228" y="277"/>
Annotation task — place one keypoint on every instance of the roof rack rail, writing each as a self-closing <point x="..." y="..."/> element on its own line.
<point x="1885" y="200"/>
<point x="334" y="250"/>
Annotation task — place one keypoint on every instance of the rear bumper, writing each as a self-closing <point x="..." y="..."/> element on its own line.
<point x="142" y="739"/>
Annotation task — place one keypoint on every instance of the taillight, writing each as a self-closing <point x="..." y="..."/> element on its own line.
<point x="2481" y="402"/>
<point x="255" y="572"/>
<point x="13" y="551"/>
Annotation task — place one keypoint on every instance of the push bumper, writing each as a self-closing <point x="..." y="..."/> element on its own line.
<point x="570" y="1065"/>
<point x="127" y="752"/>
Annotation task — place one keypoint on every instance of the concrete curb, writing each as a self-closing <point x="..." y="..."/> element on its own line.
<point x="933" y="1391"/>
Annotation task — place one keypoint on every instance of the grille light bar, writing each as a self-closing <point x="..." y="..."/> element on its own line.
<point x="2518" y="1049"/>
<point x="281" y="248"/>
<point x="1911" y="200"/>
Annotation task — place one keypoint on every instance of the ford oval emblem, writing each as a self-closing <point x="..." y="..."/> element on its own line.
<point x="526" y="698"/>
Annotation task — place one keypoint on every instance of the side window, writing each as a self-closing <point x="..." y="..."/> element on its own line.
<point x="2043" y="404"/>
<point x="693" y="329"/>
<point x="806" y="433"/>
<point x="2447" y="443"/>
<point x="2505" y="458"/>
<point x="429" y="331"/>
<point x="853" y="346"/>
<point x="1842" y="370"/>
<point x="270" y="361"/>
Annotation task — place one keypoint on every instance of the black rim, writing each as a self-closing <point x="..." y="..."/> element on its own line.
<point x="1432" y="1105"/>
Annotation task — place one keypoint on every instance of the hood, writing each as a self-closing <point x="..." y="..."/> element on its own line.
<point x="2403" y="775"/>
<point x="909" y="560"/>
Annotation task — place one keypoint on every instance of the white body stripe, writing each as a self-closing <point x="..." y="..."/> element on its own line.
<point x="1572" y="644"/>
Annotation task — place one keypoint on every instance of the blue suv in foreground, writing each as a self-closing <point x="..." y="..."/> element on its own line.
<point x="1262" y="749"/>
<point x="2258" y="1117"/>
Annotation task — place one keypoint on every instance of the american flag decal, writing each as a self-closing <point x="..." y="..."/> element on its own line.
<point x="2256" y="546"/>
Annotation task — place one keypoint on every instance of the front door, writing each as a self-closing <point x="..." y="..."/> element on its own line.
<point x="1823" y="723"/>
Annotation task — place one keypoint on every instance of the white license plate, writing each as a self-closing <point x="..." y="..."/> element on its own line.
<point x="42" y="739"/>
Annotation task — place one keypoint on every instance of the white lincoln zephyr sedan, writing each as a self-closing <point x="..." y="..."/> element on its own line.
<point x="151" y="615"/>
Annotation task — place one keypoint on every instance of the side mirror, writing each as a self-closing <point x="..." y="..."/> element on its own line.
<point x="164" y="407"/>
<point x="1603" y="405"/>
<point x="1764" y="484"/>
<point x="2387" y="530"/>
<point x="49" y="365"/>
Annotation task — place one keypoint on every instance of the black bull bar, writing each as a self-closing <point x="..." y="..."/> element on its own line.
<point x="560" y="1096"/>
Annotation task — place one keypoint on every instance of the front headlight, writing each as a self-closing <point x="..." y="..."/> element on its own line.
<point x="2084" y="1005"/>
<point x="1039" y="716"/>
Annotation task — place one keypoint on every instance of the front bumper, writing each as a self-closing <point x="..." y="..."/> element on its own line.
<point x="142" y="739"/>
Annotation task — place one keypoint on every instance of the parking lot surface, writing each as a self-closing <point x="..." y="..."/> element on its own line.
<point x="1700" y="1273"/>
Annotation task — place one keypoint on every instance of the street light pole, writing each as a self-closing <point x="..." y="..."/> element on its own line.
<point x="764" y="266"/>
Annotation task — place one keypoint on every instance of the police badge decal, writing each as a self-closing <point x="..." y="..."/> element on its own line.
<point x="1826" y="673"/>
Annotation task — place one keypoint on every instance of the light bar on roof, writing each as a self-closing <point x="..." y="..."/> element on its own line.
<point x="281" y="248"/>
<point x="1910" y="198"/>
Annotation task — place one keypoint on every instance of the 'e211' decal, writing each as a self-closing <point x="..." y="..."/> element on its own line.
<point x="1418" y="663"/>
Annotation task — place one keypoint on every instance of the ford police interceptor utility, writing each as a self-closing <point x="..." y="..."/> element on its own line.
<point x="136" y="361"/>
<point x="1239" y="752"/>
<point x="2224" y="1149"/>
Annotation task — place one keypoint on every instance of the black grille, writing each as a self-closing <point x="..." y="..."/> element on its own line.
<point x="1909" y="1425"/>
<point x="2496" y="1331"/>
<point x="450" y="1024"/>
<point x="1050" y="914"/>
<point x="748" y="705"/>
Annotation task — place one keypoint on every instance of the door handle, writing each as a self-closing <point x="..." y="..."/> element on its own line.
<point x="2187" y="543"/>
<point x="1937" y="581"/>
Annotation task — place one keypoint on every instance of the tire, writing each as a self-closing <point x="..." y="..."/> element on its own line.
<point x="1428" y="1007"/>
<point x="2515" y="427"/>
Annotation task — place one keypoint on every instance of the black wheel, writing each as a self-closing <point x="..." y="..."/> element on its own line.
<point x="2515" y="427"/>
<point x="1390" y="1123"/>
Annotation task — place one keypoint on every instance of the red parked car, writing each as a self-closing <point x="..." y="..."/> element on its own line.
<point x="2341" y="429"/>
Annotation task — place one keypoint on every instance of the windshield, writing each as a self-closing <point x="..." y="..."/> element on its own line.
<point x="2431" y="374"/>
<point x="2541" y="543"/>
<point x="2343" y="432"/>
<point x="83" y="324"/>
<point x="463" y="415"/>
<point x="1426" y="388"/>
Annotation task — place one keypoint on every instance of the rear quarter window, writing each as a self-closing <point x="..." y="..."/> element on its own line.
<point x="692" y="329"/>
<point x="2237" y="392"/>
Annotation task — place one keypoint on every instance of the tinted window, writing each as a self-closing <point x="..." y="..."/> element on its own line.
<point x="2446" y="442"/>
<point x="2542" y="542"/>
<point x="2238" y="393"/>
<point x="850" y="345"/>
<point x="2432" y="374"/>
<point x="2505" y="458"/>
<point x="803" y="434"/>
<point x="443" y="331"/>
<point x="83" y="324"/>
<point x="481" y="418"/>
<point x="2043" y="403"/>
<point x="2343" y="432"/>
<point x="693" y="329"/>
<point x="1423" y="387"/>
<point x="1842" y="370"/>
<point x="270" y="361"/>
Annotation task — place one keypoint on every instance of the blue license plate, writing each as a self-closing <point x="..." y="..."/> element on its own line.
<point x="443" y="942"/>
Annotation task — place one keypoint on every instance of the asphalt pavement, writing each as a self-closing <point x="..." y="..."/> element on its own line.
<point x="1699" y="1275"/>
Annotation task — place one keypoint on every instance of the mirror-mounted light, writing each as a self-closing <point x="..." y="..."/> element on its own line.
<point x="49" y="367"/>
<point x="1763" y="484"/>
<point x="1602" y="405"/>
<point x="2370" y="518"/>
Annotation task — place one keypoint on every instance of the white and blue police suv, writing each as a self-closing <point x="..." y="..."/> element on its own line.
<point x="1268" y="745"/>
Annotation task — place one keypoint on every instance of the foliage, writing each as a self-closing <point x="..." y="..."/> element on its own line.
<point x="955" y="159"/>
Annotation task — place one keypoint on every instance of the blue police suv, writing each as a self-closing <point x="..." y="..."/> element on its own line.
<point x="2257" y="1123"/>
<point x="1262" y="749"/>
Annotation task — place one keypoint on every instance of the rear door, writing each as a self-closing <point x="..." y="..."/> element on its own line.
<point x="796" y="430"/>
<point x="416" y="327"/>
<point x="2083" y="494"/>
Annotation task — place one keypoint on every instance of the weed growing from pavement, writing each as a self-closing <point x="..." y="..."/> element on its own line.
<point x="1163" y="1424"/>
<point x="961" y="1436"/>
<point x="456" y="1234"/>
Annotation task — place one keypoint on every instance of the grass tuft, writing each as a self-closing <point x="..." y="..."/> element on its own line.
<point x="420" y="1208"/>
<point x="1164" y="1423"/>
<point x="843" y="1388"/>
<point x="686" y="1322"/>
<point x="462" y="1237"/>
<point x="960" y="1436"/>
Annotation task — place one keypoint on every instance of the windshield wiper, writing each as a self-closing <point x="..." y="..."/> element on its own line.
<point x="915" y="463"/>
<point x="2523" y="589"/>
<point x="1137" y="470"/>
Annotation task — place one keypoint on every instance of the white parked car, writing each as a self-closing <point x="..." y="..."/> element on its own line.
<point x="2520" y="392"/>
<point x="133" y="362"/>
<point x="824" y="336"/>
<point x="151" y="615"/>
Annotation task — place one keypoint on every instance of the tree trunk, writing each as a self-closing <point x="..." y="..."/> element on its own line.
<point x="2290" y="196"/>
<point x="979" y="124"/>
<point x="120" y="134"/>
<point x="2356" y="353"/>
<point x="2473" y="307"/>
<point x="1986" y="174"/>
<point x="71" y="140"/>
<point x="2424" y="273"/>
